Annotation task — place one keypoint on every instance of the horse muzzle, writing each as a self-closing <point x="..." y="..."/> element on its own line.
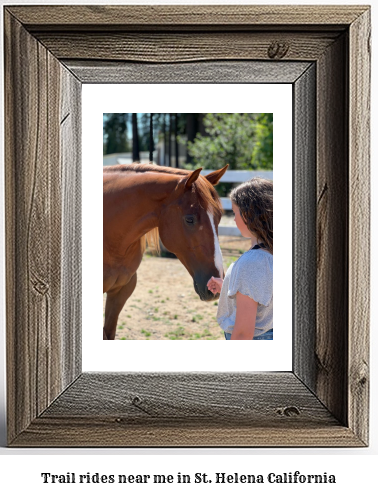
<point x="203" y="292"/>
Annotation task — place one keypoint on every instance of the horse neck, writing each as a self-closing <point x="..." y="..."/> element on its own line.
<point x="139" y="198"/>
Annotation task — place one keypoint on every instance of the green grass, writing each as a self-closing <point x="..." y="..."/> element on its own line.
<point x="146" y="333"/>
<point x="181" y="334"/>
<point x="205" y="335"/>
<point x="197" y="318"/>
<point x="177" y="334"/>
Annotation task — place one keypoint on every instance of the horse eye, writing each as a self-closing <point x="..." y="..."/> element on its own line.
<point x="189" y="219"/>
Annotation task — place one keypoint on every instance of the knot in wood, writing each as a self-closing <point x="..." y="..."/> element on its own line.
<point x="136" y="400"/>
<point x="277" y="50"/>
<point x="141" y="405"/>
<point x="288" y="411"/>
<point x="41" y="287"/>
<point x="363" y="380"/>
<point x="361" y="375"/>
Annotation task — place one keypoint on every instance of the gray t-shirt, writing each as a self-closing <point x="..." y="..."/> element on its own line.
<point x="251" y="275"/>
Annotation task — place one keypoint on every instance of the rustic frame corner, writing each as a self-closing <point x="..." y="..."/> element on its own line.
<point x="324" y="51"/>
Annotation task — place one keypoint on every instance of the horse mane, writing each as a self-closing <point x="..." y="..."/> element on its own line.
<point x="151" y="240"/>
<point x="205" y="190"/>
<point x="208" y="194"/>
<point x="146" y="167"/>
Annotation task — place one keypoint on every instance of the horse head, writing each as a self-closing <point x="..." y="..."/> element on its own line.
<point x="188" y="227"/>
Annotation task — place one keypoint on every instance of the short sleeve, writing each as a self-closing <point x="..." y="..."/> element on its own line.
<point x="253" y="276"/>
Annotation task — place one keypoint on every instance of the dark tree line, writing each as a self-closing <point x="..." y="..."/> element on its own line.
<point x="115" y="133"/>
<point x="130" y="132"/>
<point x="244" y="140"/>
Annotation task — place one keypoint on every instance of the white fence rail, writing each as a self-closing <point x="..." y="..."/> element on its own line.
<point x="231" y="176"/>
<point x="236" y="177"/>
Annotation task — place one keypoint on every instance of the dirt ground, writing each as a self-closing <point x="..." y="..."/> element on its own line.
<point x="164" y="305"/>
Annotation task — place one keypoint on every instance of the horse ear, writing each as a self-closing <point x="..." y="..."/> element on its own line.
<point x="214" y="177"/>
<point x="192" y="178"/>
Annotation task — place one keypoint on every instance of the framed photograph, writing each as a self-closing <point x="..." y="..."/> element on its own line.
<point x="323" y="52"/>
<point x="164" y="304"/>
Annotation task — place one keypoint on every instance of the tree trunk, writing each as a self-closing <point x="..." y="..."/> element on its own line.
<point x="136" y="155"/>
<point x="151" y="148"/>
<point x="191" y="132"/>
<point x="176" y="141"/>
<point x="170" y="141"/>
<point x="164" y="141"/>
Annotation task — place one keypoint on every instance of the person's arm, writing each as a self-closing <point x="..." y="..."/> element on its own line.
<point x="246" y="310"/>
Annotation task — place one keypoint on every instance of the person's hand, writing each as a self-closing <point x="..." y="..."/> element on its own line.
<point x="215" y="285"/>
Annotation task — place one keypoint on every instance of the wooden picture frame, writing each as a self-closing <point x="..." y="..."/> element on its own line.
<point x="324" y="51"/>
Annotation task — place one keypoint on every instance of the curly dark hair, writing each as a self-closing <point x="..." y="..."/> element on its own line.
<point x="254" y="199"/>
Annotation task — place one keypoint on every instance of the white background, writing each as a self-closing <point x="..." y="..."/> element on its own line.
<point x="355" y="468"/>
<point x="186" y="355"/>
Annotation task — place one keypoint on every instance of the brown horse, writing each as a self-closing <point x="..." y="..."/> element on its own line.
<point x="142" y="202"/>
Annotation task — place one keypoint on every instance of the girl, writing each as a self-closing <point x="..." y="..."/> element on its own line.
<point x="245" y="309"/>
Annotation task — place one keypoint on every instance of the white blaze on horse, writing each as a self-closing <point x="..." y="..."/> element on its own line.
<point x="142" y="202"/>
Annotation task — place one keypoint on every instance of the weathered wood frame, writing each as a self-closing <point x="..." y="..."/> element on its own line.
<point x="49" y="52"/>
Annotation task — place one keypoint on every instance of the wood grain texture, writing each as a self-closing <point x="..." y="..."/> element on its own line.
<point x="324" y="402"/>
<point x="100" y="432"/>
<point x="143" y="17"/>
<point x="70" y="161"/>
<point x="332" y="230"/>
<point x="182" y="47"/>
<point x="192" y="396"/>
<point x="197" y="409"/>
<point x="359" y="226"/>
<point x="33" y="228"/>
<point x="304" y="227"/>
<point x="200" y="72"/>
